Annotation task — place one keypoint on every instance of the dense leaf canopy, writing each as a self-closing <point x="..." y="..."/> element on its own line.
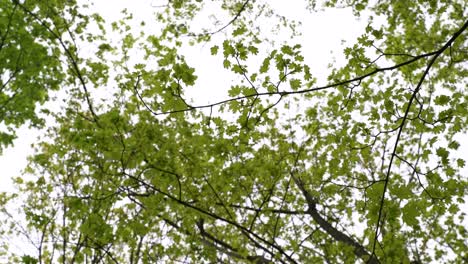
<point x="364" y="166"/>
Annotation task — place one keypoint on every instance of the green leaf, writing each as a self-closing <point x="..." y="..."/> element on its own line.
<point x="239" y="31"/>
<point x="443" y="154"/>
<point x="295" y="84"/>
<point x="137" y="161"/>
<point x="237" y="69"/>
<point x="26" y="259"/>
<point x="214" y="50"/>
<point x="410" y="213"/>
<point x="442" y="100"/>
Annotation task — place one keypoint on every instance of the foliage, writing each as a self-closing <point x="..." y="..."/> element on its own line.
<point x="363" y="168"/>
<point x="32" y="50"/>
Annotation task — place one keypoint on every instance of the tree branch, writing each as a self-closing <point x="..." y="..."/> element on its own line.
<point x="403" y="122"/>
<point x="285" y="93"/>
<point x="70" y="56"/>
<point x="232" y="20"/>
<point x="359" y="250"/>
<point x="248" y="233"/>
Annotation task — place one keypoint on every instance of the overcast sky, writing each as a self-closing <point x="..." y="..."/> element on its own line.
<point x="322" y="33"/>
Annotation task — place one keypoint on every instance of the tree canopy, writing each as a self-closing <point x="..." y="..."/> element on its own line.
<point x="363" y="167"/>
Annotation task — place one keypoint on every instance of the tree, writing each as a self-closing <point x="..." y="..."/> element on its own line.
<point x="365" y="169"/>
<point x="29" y="51"/>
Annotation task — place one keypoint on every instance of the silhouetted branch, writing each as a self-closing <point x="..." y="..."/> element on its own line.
<point x="436" y="54"/>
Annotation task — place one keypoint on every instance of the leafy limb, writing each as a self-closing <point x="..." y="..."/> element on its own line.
<point x="435" y="55"/>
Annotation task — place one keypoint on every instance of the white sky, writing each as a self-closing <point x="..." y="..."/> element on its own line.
<point x="322" y="33"/>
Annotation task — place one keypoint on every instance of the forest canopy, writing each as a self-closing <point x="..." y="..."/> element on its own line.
<point x="366" y="165"/>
